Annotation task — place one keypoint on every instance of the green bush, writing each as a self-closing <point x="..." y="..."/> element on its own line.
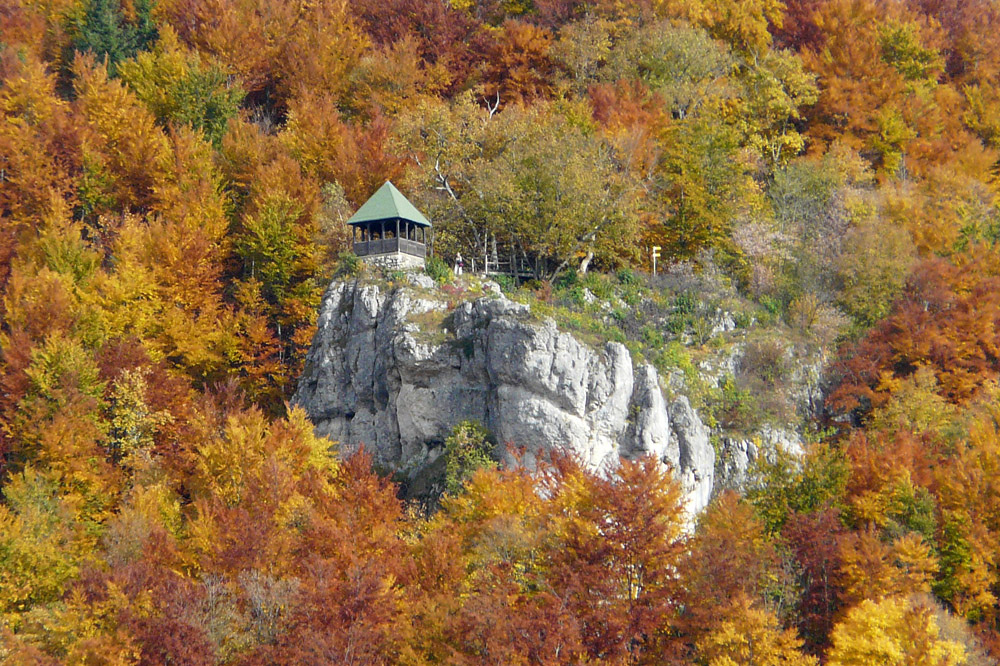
<point x="566" y="279"/>
<point x="507" y="283"/>
<point x="632" y="296"/>
<point x="598" y="285"/>
<point x="348" y="265"/>
<point x="577" y="297"/>
<point x="771" y="304"/>
<point x="685" y="303"/>
<point x="739" y="409"/>
<point x="438" y="270"/>
<point x="674" y="355"/>
<point x="467" y="449"/>
<point x="627" y="277"/>
<point x="742" y="319"/>
<point x="678" y="323"/>
<point x="652" y="337"/>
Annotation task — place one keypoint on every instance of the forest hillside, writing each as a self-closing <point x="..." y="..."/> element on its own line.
<point x="821" y="177"/>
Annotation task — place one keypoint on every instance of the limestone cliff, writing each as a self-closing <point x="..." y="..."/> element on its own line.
<point x="394" y="369"/>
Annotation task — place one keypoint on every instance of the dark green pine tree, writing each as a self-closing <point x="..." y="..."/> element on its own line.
<point x="104" y="31"/>
<point x="144" y="30"/>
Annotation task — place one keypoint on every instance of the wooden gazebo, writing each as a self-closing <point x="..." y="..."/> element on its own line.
<point x="388" y="230"/>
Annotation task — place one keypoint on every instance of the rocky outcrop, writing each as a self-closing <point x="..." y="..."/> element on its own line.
<point x="396" y="369"/>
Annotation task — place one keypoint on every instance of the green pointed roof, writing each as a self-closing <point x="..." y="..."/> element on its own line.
<point x="388" y="203"/>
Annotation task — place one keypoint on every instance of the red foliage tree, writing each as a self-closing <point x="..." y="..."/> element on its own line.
<point x="798" y="29"/>
<point x="814" y="541"/>
<point x="612" y="554"/>
<point x="447" y="37"/>
<point x="948" y="319"/>
<point x="518" y="66"/>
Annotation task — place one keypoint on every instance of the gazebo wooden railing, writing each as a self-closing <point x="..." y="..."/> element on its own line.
<point x="389" y="245"/>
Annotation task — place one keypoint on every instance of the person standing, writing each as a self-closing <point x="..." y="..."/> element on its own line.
<point x="459" y="264"/>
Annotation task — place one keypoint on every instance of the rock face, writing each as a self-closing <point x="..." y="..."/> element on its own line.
<point x="395" y="370"/>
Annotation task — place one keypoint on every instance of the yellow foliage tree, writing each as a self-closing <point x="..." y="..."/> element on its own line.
<point x="41" y="545"/>
<point x="748" y="636"/>
<point x="892" y="631"/>
<point x="742" y="25"/>
<point x="260" y="478"/>
<point x="36" y="160"/>
<point x="124" y="138"/>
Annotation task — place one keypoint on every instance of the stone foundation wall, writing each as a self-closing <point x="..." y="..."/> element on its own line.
<point x="396" y="261"/>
